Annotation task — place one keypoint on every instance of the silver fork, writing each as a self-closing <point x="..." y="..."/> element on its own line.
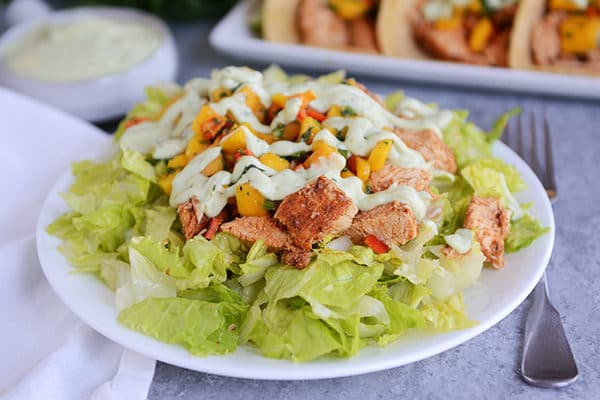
<point x="547" y="360"/>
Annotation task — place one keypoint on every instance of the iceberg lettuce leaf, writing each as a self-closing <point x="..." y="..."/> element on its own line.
<point x="523" y="232"/>
<point x="201" y="327"/>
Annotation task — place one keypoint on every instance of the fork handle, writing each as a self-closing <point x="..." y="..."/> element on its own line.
<point x="547" y="357"/>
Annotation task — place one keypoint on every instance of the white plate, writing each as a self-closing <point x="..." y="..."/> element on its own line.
<point x="495" y="295"/>
<point x="232" y="36"/>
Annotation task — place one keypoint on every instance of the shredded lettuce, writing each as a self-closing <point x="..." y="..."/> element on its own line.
<point x="200" y="326"/>
<point x="523" y="232"/>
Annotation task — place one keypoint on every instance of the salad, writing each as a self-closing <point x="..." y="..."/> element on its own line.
<point x="304" y="217"/>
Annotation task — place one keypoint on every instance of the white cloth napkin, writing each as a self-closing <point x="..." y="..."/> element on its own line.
<point x="46" y="351"/>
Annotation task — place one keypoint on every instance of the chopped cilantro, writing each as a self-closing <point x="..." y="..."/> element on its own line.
<point x="269" y="205"/>
<point x="306" y="135"/>
<point x="348" y="111"/>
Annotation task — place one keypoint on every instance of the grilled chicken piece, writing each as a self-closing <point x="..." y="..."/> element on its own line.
<point x="392" y="223"/>
<point x="296" y="257"/>
<point x="251" y="229"/>
<point x="491" y="224"/>
<point x="418" y="178"/>
<point x="362" y="34"/>
<point x="318" y="209"/>
<point x="320" y="26"/>
<point x="265" y="228"/>
<point x="545" y="39"/>
<point x="431" y="147"/>
<point x="192" y="220"/>
<point x="449" y="44"/>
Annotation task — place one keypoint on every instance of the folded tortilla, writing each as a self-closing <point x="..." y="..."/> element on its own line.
<point x="520" y="56"/>
<point x="394" y="29"/>
<point x="279" y="23"/>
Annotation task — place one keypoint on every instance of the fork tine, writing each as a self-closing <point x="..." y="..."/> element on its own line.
<point x="508" y="137"/>
<point x="519" y="147"/>
<point x="550" y="182"/>
<point x="535" y="160"/>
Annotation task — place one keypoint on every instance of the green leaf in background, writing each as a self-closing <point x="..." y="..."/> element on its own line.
<point x="184" y="10"/>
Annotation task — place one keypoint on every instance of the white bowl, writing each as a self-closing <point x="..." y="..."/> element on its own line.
<point x="101" y="98"/>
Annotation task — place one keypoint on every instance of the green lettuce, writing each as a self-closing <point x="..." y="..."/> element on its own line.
<point x="201" y="327"/>
<point x="468" y="141"/>
<point x="523" y="232"/>
<point x="157" y="97"/>
<point x="135" y="162"/>
<point x="107" y="203"/>
<point x="258" y="260"/>
<point x="143" y="281"/>
<point x="488" y="182"/>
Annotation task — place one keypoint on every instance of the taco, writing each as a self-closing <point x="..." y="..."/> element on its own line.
<point x="338" y="24"/>
<point x="557" y="36"/>
<point x="468" y="31"/>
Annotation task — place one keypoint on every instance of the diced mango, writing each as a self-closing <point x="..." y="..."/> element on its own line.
<point x="196" y="146"/>
<point x="320" y="149"/>
<point x="379" y="154"/>
<point x="214" y="166"/>
<point x="351" y="9"/>
<point x="346" y="173"/>
<point x="179" y="161"/>
<point x="446" y="24"/>
<point x="306" y="97"/>
<point x="334" y="111"/>
<point x="252" y="100"/>
<point x="272" y="160"/>
<point x="475" y="6"/>
<point x="250" y="202"/>
<point x="279" y="99"/>
<point x="360" y="167"/>
<point x="205" y="113"/>
<point x="219" y="93"/>
<point x="566" y="5"/>
<point x="291" y="131"/>
<point x="481" y="33"/>
<point x="234" y="142"/>
<point x="308" y="129"/>
<point x="579" y="34"/>
<point x="166" y="181"/>
<point x="263" y="136"/>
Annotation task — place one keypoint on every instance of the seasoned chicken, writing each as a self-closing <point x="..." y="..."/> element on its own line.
<point x="447" y="44"/>
<point x="318" y="209"/>
<point x="265" y="228"/>
<point x="545" y="39"/>
<point x="491" y="224"/>
<point x="251" y="229"/>
<point x="392" y="223"/>
<point x="192" y="220"/>
<point x="431" y="147"/>
<point x="362" y="34"/>
<point x="320" y="26"/>
<point x="380" y="180"/>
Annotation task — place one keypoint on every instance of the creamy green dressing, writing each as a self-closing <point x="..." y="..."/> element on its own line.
<point x="86" y="48"/>
<point x="169" y="136"/>
<point x="436" y="9"/>
<point x="213" y="192"/>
